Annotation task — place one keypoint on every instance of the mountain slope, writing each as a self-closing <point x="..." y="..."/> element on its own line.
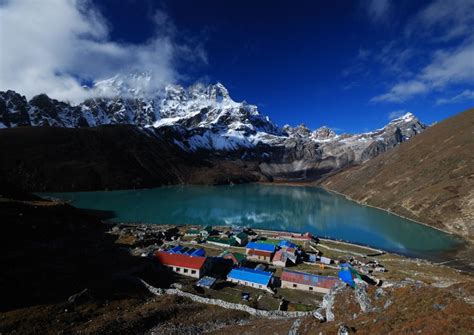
<point x="429" y="178"/>
<point x="106" y="157"/>
<point x="204" y="121"/>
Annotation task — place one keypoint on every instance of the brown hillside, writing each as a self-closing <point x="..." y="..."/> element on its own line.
<point x="429" y="178"/>
<point x="37" y="159"/>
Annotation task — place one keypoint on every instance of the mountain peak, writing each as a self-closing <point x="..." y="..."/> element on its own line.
<point x="407" y="117"/>
<point x="136" y="84"/>
<point x="218" y="92"/>
<point x="323" y="133"/>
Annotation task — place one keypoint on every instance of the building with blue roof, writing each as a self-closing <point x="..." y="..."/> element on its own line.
<point x="250" y="277"/>
<point x="260" y="251"/>
<point x="180" y="250"/>
<point x="198" y="252"/>
<point x="176" y="249"/>
<point x="287" y="244"/>
<point x="261" y="246"/>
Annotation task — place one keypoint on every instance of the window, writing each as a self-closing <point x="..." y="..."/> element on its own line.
<point x="294" y="285"/>
<point x="260" y="286"/>
<point x="185" y="270"/>
<point x="311" y="288"/>
<point x="193" y="272"/>
<point x="178" y="270"/>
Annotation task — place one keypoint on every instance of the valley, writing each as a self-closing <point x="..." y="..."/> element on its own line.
<point x="214" y="161"/>
<point x="177" y="167"/>
<point x="199" y="129"/>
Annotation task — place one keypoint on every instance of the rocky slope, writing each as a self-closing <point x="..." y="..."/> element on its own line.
<point x="204" y="121"/>
<point x="430" y="178"/>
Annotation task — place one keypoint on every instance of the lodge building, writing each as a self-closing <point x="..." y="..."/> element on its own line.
<point x="192" y="266"/>
<point x="307" y="281"/>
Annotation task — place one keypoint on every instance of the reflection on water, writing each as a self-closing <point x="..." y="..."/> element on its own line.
<point x="273" y="207"/>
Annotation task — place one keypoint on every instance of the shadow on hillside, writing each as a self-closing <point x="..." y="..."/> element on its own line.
<point x="49" y="253"/>
<point x="101" y="214"/>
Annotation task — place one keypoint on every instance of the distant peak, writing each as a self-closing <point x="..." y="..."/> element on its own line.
<point x="218" y="92"/>
<point x="323" y="133"/>
<point x="405" y="117"/>
<point x="134" y="84"/>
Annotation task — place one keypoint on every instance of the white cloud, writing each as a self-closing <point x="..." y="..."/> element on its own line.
<point x="461" y="97"/>
<point x="377" y="10"/>
<point x="439" y="22"/>
<point x="444" y="20"/>
<point x="402" y="91"/>
<point x="451" y="67"/>
<point x="447" y="67"/>
<point x="51" y="46"/>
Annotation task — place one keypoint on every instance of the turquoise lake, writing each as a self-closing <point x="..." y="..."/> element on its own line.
<point x="298" y="209"/>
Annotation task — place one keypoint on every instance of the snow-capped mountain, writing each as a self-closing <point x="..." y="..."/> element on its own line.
<point x="211" y="120"/>
<point x="205" y="119"/>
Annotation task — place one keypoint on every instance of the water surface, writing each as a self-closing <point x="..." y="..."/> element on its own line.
<point x="298" y="209"/>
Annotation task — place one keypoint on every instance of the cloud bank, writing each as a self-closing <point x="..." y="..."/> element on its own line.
<point x="439" y="44"/>
<point x="56" y="46"/>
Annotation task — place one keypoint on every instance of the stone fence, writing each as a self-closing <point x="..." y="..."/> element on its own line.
<point x="229" y="305"/>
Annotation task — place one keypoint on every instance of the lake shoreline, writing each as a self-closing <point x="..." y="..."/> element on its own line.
<point x="371" y="251"/>
<point x="144" y="206"/>
<point x="361" y="250"/>
<point x="315" y="184"/>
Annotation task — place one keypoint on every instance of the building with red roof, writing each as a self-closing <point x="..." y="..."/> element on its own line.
<point x="187" y="265"/>
<point x="259" y="255"/>
<point x="307" y="281"/>
<point x="260" y="251"/>
<point x="294" y="236"/>
<point x="280" y="258"/>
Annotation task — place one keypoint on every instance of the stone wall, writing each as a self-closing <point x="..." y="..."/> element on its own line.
<point x="228" y="305"/>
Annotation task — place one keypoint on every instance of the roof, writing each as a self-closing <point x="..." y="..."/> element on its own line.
<point x="347" y="274"/>
<point x="187" y="251"/>
<point x="280" y="256"/>
<point x="234" y="255"/>
<point x="206" y="282"/>
<point x="199" y="252"/>
<point x="242" y="235"/>
<point x="240" y="257"/>
<point x="261" y="246"/>
<point x="192" y="232"/>
<point x="308" y="279"/>
<point x="251" y="275"/>
<point x="298" y="236"/>
<point x="254" y="252"/>
<point x="176" y="249"/>
<point x="207" y="228"/>
<point x="287" y="244"/>
<point x="185" y="261"/>
<point x="227" y="241"/>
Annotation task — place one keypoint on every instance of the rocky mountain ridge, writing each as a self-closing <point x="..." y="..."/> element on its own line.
<point x="430" y="178"/>
<point x="205" y="120"/>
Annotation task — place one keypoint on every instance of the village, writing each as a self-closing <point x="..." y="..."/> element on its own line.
<point x="268" y="270"/>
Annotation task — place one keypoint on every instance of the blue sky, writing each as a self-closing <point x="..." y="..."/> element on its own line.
<point x="351" y="65"/>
